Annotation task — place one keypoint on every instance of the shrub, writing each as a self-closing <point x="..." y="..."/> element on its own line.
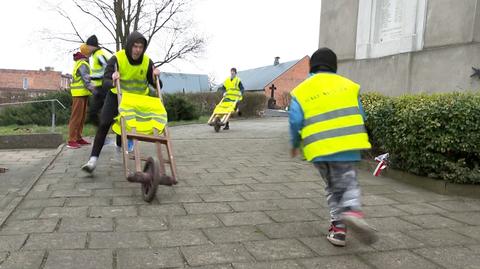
<point x="180" y="108"/>
<point x="38" y="113"/>
<point x="205" y="102"/>
<point x="252" y="104"/>
<point x="429" y="135"/>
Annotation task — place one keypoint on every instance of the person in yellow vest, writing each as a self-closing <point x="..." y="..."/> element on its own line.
<point x="136" y="71"/>
<point x="80" y="88"/>
<point x="327" y="120"/>
<point x="233" y="86"/>
<point x="98" y="63"/>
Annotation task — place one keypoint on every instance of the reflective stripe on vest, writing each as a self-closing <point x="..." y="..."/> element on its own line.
<point x="332" y="119"/>
<point x="144" y="113"/>
<point x="77" y="88"/>
<point x="133" y="78"/>
<point x="98" y="69"/>
<point x="232" y="88"/>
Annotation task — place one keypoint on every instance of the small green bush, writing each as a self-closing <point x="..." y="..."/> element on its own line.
<point x="252" y="104"/>
<point x="38" y="113"/>
<point x="180" y="108"/>
<point x="205" y="102"/>
<point x="429" y="135"/>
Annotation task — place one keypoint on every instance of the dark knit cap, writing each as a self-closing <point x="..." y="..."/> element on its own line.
<point x="324" y="59"/>
<point x="92" y="41"/>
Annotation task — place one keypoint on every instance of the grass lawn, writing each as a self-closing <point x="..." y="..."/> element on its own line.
<point x="88" y="129"/>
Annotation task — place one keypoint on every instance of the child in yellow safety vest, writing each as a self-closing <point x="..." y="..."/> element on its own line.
<point x="327" y="119"/>
<point x="80" y="88"/>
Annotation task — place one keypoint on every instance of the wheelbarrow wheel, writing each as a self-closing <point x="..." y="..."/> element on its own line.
<point x="152" y="168"/>
<point x="217" y="125"/>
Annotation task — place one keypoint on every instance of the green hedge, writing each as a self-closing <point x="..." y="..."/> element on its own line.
<point x="434" y="135"/>
<point x="38" y="113"/>
<point x="179" y="106"/>
<point x="251" y="105"/>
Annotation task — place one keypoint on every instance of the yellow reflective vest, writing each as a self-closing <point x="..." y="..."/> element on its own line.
<point x="144" y="113"/>
<point x="232" y="89"/>
<point x="133" y="78"/>
<point x="77" y="87"/>
<point x="98" y="69"/>
<point x="332" y="119"/>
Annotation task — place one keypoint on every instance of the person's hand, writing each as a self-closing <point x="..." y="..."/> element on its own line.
<point x="92" y="89"/>
<point x="294" y="152"/>
<point x="115" y="76"/>
<point x="156" y="72"/>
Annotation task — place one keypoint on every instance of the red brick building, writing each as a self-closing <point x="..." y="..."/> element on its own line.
<point x="282" y="77"/>
<point x="18" y="85"/>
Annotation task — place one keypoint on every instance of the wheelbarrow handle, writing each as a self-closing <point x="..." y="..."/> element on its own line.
<point x="117" y="82"/>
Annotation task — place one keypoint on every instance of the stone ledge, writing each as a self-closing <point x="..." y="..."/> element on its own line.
<point x="50" y="140"/>
<point x="435" y="185"/>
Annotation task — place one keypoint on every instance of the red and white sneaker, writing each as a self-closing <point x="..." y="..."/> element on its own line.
<point x="73" y="145"/>
<point x="356" y="221"/>
<point x="337" y="235"/>
<point x="83" y="142"/>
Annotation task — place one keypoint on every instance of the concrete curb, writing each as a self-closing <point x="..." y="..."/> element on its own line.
<point x="435" y="185"/>
<point x="22" y="193"/>
<point x="23" y="141"/>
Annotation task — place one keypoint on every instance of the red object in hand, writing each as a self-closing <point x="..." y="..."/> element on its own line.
<point x="382" y="164"/>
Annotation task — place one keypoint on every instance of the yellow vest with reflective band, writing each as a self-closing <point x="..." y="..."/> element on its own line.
<point x="233" y="89"/>
<point x="97" y="68"/>
<point x="332" y="119"/>
<point x="225" y="107"/>
<point x="77" y="88"/>
<point x="141" y="112"/>
<point x="133" y="78"/>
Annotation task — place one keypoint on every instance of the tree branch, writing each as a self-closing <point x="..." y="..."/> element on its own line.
<point x="61" y="12"/>
<point x="94" y="16"/>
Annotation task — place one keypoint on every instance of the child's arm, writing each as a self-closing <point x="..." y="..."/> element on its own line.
<point x="295" y="116"/>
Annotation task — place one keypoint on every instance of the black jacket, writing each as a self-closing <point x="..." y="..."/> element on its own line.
<point x="112" y="62"/>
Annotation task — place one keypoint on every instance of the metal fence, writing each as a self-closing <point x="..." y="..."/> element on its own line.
<point x="52" y="101"/>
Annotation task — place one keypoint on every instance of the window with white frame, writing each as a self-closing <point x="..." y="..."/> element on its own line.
<point x="25" y="83"/>
<point x="388" y="27"/>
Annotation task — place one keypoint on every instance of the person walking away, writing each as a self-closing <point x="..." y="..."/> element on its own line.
<point x="232" y="86"/>
<point x="98" y="63"/>
<point x="326" y="118"/>
<point x="80" y="88"/>
<point x="135" y="71"/>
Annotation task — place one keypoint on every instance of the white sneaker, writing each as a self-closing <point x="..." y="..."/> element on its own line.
<point x="90" y="165"/>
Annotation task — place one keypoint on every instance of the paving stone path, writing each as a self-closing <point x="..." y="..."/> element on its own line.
<point x="241" y="203"/>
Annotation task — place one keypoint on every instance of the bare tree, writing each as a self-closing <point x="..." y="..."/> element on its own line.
<point x="163" y="22"/>
<point x="212" y="83"/>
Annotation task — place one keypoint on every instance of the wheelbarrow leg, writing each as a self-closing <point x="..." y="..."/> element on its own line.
<point x="173" y="165"/>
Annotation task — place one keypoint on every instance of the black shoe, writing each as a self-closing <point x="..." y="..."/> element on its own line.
<point x="337" y="236"/>
<point x="227" y="127"/>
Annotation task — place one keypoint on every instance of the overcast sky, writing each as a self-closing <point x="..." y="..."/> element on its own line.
<point x="242" y="33"/>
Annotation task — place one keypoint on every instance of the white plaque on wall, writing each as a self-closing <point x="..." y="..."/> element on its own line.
<point x="388" y="27"/>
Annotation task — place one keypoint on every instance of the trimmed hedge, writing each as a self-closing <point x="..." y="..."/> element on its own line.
<point x="38" y="113"/>
<point x="179" y="106"/>
<point x="251" y="105"/>
<point x="434" y="135"/>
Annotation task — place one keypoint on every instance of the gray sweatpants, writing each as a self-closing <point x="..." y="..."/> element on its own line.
<point x="343" y="191"/>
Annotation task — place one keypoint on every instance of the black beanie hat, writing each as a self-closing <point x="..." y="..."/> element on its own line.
<point x="92" y="41"/>
<point x="324" y="59"/>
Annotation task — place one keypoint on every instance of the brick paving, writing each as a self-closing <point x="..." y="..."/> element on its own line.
<point x="241" y="203"/>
